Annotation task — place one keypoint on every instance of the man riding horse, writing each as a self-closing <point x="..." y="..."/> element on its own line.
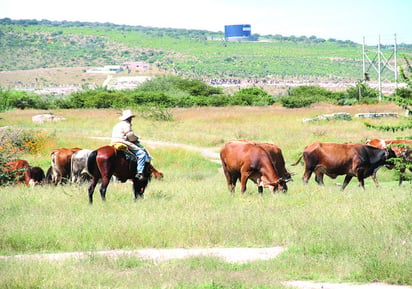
<point x="122" y="133"/>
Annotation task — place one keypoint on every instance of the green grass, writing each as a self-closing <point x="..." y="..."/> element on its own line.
<point x="332" y="236"/>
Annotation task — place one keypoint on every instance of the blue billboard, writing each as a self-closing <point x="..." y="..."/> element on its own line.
<point x="238" y="32"/>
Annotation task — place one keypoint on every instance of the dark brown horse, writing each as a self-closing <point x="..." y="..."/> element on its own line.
<point x="106" y="162"/>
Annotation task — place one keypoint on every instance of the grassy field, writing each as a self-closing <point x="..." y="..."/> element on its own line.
<point x="355" y="235"/>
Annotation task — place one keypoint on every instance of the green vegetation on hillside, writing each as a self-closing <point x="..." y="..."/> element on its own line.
<point x="168" y="91"/>
<point x="29" y="44"/>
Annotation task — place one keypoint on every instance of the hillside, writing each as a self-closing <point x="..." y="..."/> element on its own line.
<point x="29" y="45"/>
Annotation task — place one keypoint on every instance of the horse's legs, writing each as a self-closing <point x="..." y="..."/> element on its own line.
<point x="91" y="189"/>
<point x="138" y="189"/>
<point x="103" y="187"/>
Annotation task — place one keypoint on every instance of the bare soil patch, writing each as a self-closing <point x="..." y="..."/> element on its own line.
<point x="230" y="255"/>
<point x="320" y="285"/>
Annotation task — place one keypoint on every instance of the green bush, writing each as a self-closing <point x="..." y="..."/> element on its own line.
<point x="251" y="96"/>
<point x="97" y="98"/>
<point x="304" y="96"/>
<point x="5" y="97"/>
<point x="404" y="92"/>
<point x="176" y="85"/>
<point x="152" y="98"/>
<point x="10" y="99"/>
<point x="361" y="93"/>
<point x="197" y="88"/>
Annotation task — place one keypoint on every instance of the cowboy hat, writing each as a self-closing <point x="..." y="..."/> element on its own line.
<point x="126" y="114"/>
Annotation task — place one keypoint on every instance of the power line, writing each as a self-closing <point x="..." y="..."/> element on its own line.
<point x="379" y="63"/>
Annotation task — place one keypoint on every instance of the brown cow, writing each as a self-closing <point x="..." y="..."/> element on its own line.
<point x="401" y="148"/>
<point x="157" y="174"/>
<point x="278" y="163"/>
<point x="18" y="171"/>
<point x="22" y="173"/>
<point x="335" y="159"/>
<point x="61" y="163"/>
<point x="244" y="160"/>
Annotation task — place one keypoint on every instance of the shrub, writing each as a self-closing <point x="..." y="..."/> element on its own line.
<point x="97" y="98"/>
<point x="197" y="88"/>
<point x="251" y="96"/>
<point x="5" y="97"/>
<point x="14" y="143"/>
<point x="361" y="93"/>
<point x="152" y="98"/>
<point x="21" y="99"/>
<point x="304" y="96"/>
<point x="176" y="85"/>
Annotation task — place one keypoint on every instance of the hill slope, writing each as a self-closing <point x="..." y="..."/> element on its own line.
<point x="30" y="44"/>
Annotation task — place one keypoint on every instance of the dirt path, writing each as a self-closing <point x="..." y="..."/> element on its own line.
<point x="230" y="255"/>
<point x="208" y="153"/>
<point x="318" y="285"/>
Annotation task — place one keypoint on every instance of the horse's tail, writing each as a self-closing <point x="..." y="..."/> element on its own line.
<point x="91" y="162"/>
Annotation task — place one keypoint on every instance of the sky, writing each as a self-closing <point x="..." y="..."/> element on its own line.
<point x="353" y="20"/>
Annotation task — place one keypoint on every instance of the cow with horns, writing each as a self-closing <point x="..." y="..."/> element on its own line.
<point x="261" y="163"/>
<point x="335" y="159"/>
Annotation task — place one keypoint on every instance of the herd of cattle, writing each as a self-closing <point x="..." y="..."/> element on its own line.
<point x="243" y="160"/>
<point x="263" y="163"/>
<point x="67" y="165"/>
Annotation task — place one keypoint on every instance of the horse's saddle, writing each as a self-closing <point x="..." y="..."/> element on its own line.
<point x="120" y="147"/>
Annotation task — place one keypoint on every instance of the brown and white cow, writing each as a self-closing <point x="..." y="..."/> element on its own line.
<point x="401" y="148"/>
<point x="335" y="159"/>
<point x="61" y="164"/>
<point x="79" y="171"/>
<point x="245" y="160"/>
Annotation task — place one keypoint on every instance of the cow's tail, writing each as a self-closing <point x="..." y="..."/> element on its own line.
<point x="294" y="164"/>
<point x="91" y="163"/>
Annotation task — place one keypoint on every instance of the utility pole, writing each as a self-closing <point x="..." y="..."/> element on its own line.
<point x="396" y="62"/>
<point x="379" y="70"/>
<point x="379" y="64"/>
